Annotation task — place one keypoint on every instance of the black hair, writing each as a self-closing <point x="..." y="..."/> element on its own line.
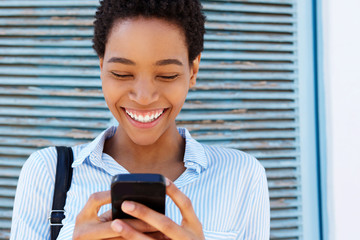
<point x="187" y="14"/>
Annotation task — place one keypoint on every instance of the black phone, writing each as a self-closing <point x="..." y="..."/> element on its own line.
<point x="147" y="189"/>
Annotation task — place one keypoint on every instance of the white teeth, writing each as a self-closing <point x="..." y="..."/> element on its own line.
<point x="144" y="119"/>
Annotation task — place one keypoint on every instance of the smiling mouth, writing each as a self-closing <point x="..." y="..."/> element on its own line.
<point x="144" y="116"/>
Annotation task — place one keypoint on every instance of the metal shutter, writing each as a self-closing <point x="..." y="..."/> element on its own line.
<point x="246" y="95"/>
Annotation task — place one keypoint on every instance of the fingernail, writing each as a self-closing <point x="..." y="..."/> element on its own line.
<point x="116" y="226"/>
<point x="167" y="181"/>
<point x="128" y="206"/>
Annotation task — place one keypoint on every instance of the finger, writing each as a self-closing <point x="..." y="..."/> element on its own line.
<point x="182" y="202"/>
<point x="96" y="231"/>
<point x="158" y="220"/>
<point x="94" y="203"/>
<point x="158" y="236"/>
<point x="127" y="232"/>
<point x="140" y="225"/>
<point x="106" y="216"/>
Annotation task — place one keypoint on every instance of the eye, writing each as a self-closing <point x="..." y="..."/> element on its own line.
<point x="168" y="77"/>
<point x="122" y="76"/>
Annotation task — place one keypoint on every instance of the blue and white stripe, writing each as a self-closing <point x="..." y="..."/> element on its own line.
<point x="228" y="189"/>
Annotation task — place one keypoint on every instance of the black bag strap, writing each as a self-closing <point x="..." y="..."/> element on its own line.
<point x="62" y="185"/>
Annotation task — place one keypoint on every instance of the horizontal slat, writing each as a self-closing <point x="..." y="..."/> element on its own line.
<point x="8" y="172"/>
<point x="7" y="162"/>
<point x="282" y="183"/>
<point x="48" y="132"/>
<point x="282" y="173"/>
<point x="31" y="142"/>
<point x="54" y="21"/>
<point x="280" y="163"/>
<point x="46" y="42"/>
<point x="4" y="224"/>
<point x="44" y="12"/>
<point x="279" y="193"/>
<point x="241" y="135"/>
<point x="14" y="151"/>
<point x="6" y="192"/>
<point x="59" y="31"/>
<point x="240" y="7"/>
<point x="8" y="182"/>
<point x="236" y="17"/>
<point x="253" y="37"/>
<point x="276" y="154"/>
<point x="6" y="202"/>
<point x="54" y="122"/>
<point x="44" y="81"/>
<point x="248" y="27"/>
<point x="80" y="114"/>
<point x="281" y="213"/>
<point x="288" y="223"/>
<point x="22" y="102"/>
<point x="249" y="46"/>
<point x="5" y="214"/>
<point x="232" y="117"/>
<point x="236" y="125"/>
<point x="42" y="3"/>
<point x="288" y="234"/>
<point x="284" y="203"/>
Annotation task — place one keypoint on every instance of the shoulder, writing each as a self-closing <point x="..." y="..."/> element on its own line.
<point x="44" y="161"/>
<point x="234" y="162"/>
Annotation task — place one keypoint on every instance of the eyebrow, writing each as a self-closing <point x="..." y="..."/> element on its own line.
<point x="158" y="63"/>
<point x="121" y="60"/>
<point x="168" y="61"/>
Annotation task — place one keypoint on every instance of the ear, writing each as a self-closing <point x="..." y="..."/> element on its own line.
<point x="194" y="70"/>
<point x="101" y="62"/>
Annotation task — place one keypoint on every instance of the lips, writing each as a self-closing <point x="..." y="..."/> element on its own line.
<point x="144" y="116"/>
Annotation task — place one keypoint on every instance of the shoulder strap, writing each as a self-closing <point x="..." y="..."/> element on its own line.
<point x="62" y="185"/>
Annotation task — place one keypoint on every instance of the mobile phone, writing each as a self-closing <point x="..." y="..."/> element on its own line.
<point x="147" y="189"/>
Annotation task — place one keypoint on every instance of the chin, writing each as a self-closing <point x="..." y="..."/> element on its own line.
<point x="144" y="141"/>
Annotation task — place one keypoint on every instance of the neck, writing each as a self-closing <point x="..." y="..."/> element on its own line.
<point x="166" y="152"/>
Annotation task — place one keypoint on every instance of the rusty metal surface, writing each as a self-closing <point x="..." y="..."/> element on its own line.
<point x="246" y="96"/>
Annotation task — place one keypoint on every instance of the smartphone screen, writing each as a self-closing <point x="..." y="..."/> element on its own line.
<point x="147" y="189"/>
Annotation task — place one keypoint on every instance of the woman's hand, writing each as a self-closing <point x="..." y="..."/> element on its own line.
<point x="148" y="225"/>
<point x="89" y="225"/>
<point x="190" y="228"/>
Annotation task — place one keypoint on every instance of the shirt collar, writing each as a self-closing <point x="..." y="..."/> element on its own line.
<point x="94" y="149"/>
<point x="194" y="157"/>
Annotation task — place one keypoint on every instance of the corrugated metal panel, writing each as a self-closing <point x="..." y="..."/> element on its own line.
<point x="246" y="96"/>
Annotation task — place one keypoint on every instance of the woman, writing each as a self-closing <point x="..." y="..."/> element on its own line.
<point x="149" y="55"/>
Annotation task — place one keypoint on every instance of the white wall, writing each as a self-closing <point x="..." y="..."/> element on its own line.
<point x="341" y="25"/>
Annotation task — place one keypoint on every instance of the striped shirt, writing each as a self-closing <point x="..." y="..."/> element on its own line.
<point x="227" y="187"/>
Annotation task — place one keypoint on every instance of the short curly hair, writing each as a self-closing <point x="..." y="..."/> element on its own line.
<point x="187" y="14"/>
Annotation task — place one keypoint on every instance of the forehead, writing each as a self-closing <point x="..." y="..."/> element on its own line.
<point x="146" y="35"/>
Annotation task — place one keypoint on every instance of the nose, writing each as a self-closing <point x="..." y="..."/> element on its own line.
<point x="144" y="92"/>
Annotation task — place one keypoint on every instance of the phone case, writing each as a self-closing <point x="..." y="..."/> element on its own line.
<point x="147" y="189"/>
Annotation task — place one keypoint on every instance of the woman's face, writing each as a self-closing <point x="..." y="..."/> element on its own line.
<point x="146" y="76"/>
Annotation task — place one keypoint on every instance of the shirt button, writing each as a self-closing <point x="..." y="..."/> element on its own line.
<point x="191" y="163"/>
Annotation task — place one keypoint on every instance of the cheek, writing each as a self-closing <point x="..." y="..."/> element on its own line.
<point x="177" y="94"/>
<point x="110" y="92"/>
